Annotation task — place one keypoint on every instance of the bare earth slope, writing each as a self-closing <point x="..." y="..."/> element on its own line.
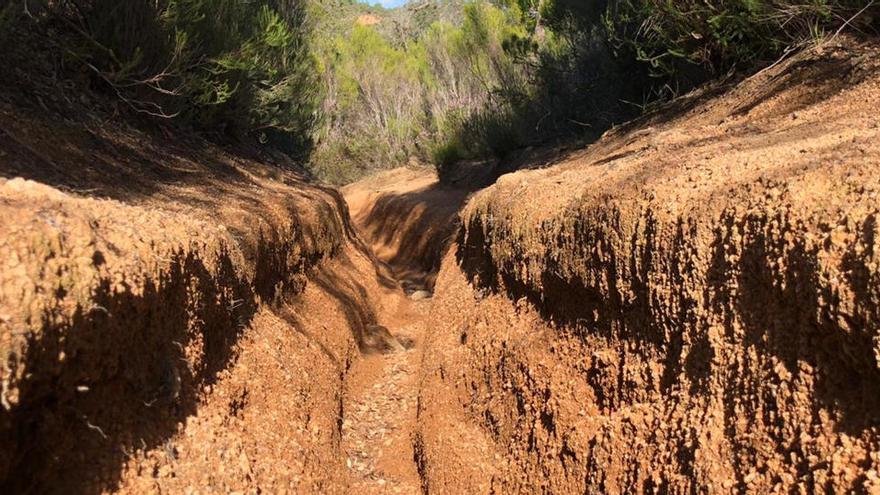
<point x="173" y="318"/>
<point x="406" y="217"/>
<point x="409" y="220"/>
<point x="689" y="305"/>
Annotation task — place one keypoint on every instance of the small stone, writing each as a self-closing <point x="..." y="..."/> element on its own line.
<point x="420" y="295"/>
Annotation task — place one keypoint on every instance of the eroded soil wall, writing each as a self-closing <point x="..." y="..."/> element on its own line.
<point x="409" y="220"/>
<point x="691" y="304"/>
<point x="173" y="317"/>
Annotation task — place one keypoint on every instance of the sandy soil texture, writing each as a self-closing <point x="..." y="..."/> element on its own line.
<point x="689" y="305"/>
<point x="408" y="220"/>
<point x="173" y="317"/>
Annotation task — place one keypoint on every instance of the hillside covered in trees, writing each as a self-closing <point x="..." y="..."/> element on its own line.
<point x="349" y="88"/>
<point x="440" y="82"/>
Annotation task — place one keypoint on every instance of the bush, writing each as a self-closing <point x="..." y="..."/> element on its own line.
<point x="231" y="67"/>
<point x="557" y="80"/>
<point x="387" y="103"/>
<point x="584" y="66"/>
<point x="685" y="42"/>
<point x="509" y="74"/>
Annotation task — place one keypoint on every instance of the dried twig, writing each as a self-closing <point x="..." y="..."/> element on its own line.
<point x="95" y="427"/>
<point x="849" y="21"/>
<point x="152" y="82"/>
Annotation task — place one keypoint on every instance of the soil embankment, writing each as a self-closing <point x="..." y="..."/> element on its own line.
<point x="690" y="304"/>
<point x="173" y="317"/>
<point x="409" y="219"/>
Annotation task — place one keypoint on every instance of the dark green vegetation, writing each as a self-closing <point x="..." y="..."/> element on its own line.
<point x="509" y="74"/>
<point x="590" y="64"/>
<point x="357" y="88"/>
<point x="687" y="42"/>
<point x="391" y="99"/>
<point x="228" y="68"/>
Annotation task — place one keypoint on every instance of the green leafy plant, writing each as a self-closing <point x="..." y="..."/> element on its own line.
<point x="225" y="67"/>
<point x="388" y="103"/>
<point x="689" y="41"/>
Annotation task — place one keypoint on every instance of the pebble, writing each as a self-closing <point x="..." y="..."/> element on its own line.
<point x="420" y="295"/>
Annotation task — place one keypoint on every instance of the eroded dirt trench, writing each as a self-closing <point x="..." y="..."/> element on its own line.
<point x="380" y="409"/>
<point x="688" y="305"/>
<point x="179" y="318"/>
<point x="406" y="219"/>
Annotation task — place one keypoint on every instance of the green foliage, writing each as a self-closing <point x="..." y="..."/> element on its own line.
<point x="399" y="26"/>
<point x="390" y="102"/>
<point x="683" y="43"/>
<point x="579" y="63"/>
<point x="372" y="107"/>
<point x="447" y="153"/>
<point x="555" y="80"/>
<point x="230" y="67"/>
<point x="439" y="81"/>
<point x="8" y="16"/>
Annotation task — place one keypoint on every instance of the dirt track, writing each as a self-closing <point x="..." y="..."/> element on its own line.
<point x="408" y="221"/>
<point x="192" y="332"/>
<point x="691" y="304"/>
<point x="214" y="325"/>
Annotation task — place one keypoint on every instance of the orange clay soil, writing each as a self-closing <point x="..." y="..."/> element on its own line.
<point x="689" y="305"/>
<point x="409" y="220"/>
<point x="177" y="318"/>
<point x="406" y="217"/>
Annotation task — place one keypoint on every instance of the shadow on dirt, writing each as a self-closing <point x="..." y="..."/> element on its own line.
<point x="121" y="376"/>
<point x="124" y="374"/>
<point x="383" y="274"/>
<point x="120" y="164"/>
<point x="349" y="296"/>
<point x="766" y="291"/>
<point x="412" y="230"/>
<point x="789" y="312"/>
<point x="786" y="314"/>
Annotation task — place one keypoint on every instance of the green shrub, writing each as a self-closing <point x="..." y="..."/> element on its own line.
<point x="8" y="16"/>
<point x="447" y="153"/>
<point x="231" y="67"/>
<point x="388" y="102"/>
<point x="682" y="43"/>
<point x="584" y="66"/>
